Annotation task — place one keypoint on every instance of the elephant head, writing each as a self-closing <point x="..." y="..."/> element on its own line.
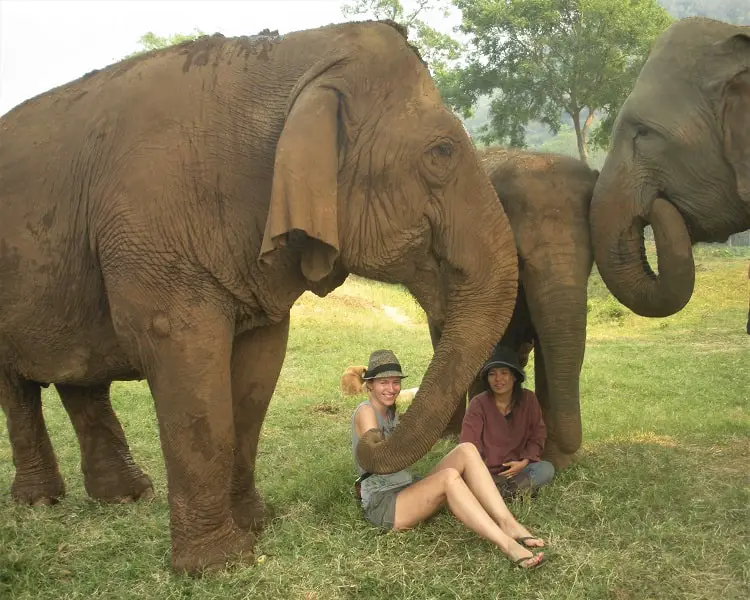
<point x="679" y="161"/>
<point x="547" y="198"/>
<point x="384" y="181"/>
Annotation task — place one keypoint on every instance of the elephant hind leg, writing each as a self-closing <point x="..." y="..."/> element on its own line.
<point x="257" y="357"/>
<point x="38" y="480"/>
<point x="109" y="472"/>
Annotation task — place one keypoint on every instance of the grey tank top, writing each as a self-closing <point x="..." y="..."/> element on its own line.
<point x="378" y="483"/>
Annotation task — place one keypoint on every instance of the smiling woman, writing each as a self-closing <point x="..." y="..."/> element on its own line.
<point x="399" y="500"/>
<point x="505" y="424"/>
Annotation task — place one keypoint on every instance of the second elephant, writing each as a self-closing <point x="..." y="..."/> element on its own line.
<point x="547" y="198"/>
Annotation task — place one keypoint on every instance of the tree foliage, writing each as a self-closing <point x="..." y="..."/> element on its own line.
<point x="150" y="41"/>
<point x="542" y="59"/>
<point x="437" y="48"/>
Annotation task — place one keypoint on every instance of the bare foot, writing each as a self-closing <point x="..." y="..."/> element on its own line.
<point x="530" y="562"/>
<point x="522" y="535"/>
<point x="530" y="541"/>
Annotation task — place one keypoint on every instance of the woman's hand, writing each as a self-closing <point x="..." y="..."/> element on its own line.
<point x="514" y="467"/>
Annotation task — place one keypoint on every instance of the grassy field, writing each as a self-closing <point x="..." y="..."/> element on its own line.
<point x="656" y="505"/>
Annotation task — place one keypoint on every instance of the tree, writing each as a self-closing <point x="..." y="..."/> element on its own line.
<point x="543" y="59"/>
<point x="150" y="41"/>
<point x="437" y="48"/>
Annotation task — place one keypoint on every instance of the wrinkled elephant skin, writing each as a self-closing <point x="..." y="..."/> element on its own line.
<point x="546" y="198"/>
<point x="679" y="160"/>
<point x="160" y="217"/>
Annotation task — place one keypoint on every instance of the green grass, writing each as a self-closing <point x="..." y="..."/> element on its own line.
<point x="656" y="505"/>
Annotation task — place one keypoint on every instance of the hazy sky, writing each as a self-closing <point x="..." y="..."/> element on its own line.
<point x="44" y="44"/>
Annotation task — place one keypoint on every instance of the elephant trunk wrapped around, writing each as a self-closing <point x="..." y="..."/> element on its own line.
<point x="161" y="216"/>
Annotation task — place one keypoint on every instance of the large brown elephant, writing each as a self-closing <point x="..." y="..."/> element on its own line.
<point x="160" y="217"/>
<point x="679" y="160"/>
<point x="546" y="198"/>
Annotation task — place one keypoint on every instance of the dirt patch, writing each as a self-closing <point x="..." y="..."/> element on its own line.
<point x="395" y="314"/>
<point x="325" y="408"/>
<point x="352" y="301"/>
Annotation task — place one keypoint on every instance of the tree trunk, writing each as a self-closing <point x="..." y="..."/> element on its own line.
<point x="581" y="135"/>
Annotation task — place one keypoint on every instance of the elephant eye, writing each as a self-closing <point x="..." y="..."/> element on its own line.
<point x="439" y="161"/>
<point x="641" y="130"/>
<point x="444" y="149"/>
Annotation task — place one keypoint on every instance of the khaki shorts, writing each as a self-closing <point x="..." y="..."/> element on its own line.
<point x="381" y="511"/>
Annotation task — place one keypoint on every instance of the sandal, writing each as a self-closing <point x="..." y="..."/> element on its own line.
<point x="522" y="541"/>
<point x="519" y="562"/>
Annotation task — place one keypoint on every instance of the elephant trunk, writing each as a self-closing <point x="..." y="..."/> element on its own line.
<point x="558" y="311"/>
<point x="617" y="223"/>
<point x="477" y="271"/>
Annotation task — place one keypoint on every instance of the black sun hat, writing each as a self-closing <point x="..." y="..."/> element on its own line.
<point x="502" y="356"/>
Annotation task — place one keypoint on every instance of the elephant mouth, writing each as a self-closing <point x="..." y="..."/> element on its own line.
<point x="690" y="224"/>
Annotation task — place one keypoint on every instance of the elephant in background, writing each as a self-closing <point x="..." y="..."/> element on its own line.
<point x="546" y="198"/>
<point x="159" y="218"/>
<point x="679" y="160"/>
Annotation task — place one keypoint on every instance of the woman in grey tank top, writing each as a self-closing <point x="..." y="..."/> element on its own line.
<point x="461" y="480"/>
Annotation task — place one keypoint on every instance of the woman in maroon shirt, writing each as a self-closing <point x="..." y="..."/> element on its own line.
<point x="505" y="424"/>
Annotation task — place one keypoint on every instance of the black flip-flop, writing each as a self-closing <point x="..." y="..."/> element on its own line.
<point x="522" y="541"/>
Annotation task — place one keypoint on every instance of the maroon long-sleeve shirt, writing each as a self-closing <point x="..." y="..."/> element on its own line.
<point x="499" y="439"/>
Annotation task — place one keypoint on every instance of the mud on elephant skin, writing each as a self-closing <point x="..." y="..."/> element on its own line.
<point x="679" y="160"/>
<point x="546" y="198"/>
<point x="161" y="216"/>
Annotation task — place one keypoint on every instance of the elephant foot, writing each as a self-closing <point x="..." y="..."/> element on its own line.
<point x="559" y="459"/>
<point x="451" y="435"/>
<point x="113" y="488"/>
<point x="38" y="491"/>
<point x="250" y="511"/>
<point x="228" y="546"/>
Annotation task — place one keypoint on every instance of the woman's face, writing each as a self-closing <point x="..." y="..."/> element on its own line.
<point x="385" y="389"/>
<point x="501" y="380"/>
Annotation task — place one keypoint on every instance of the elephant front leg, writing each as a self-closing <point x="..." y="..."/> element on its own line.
<point x="257" y="358"/>
<point x="109" y="472"/>
<point x="37" y="481"/>
<point x="185" y="352"/>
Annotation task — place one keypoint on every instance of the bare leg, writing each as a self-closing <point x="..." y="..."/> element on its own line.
<point x="465" y="459"/>
<point x="257" y="357"/>
<point x="109" y="472"/>
<point x="37" y="481"/>
<point x="419" y="501"/>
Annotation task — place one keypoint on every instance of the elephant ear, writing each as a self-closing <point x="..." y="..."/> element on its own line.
<point x="736" y="118"/>
<point x="304" y="193"/>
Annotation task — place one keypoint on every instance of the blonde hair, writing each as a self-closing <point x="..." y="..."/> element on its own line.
<point x="352" y="381"/>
